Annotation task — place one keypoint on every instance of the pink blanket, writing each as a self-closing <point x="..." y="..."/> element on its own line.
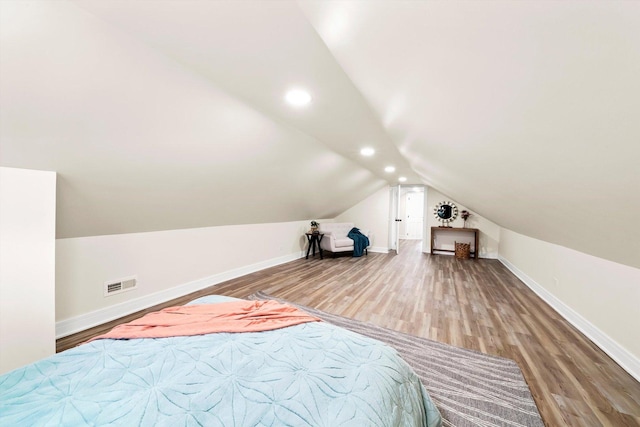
<point x="199" y="319"/>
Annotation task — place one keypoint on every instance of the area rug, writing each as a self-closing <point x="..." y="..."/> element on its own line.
<point x="469" y="388"/>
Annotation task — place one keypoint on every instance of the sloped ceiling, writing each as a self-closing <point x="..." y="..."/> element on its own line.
<point x="169" y="114"/>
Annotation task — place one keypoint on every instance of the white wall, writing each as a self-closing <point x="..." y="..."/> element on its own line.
<point x="371" y="214"/>
<point x="600" y="297"/>
<point x="27" y="266"/>
<point x="168" y="264"/>
<point x="489" y="238"/>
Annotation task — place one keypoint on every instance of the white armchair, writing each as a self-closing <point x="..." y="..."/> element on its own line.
<point x="335" y="237"/>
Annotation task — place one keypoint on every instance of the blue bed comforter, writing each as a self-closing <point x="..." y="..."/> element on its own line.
<point x="314" y="374"/>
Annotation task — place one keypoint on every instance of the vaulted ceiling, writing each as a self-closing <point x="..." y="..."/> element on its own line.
<point x="170" y="114"/>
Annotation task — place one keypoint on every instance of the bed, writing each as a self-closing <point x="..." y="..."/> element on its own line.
<point x="310" y="374"/>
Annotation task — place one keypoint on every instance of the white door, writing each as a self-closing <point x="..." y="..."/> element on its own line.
<point x="414" y="214"/>
<point x="394" y="219"/>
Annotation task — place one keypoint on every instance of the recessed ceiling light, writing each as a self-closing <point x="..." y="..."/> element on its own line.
<point x="402" y="179"/>
<point x="390" y="169"/>
<point x="298" y="97"/>
<point x="367" y="151"/>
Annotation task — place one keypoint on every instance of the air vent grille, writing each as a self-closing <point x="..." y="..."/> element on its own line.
<point x="113" y="287"/>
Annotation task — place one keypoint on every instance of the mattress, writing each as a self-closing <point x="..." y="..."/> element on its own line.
<point x="313" y="374"/>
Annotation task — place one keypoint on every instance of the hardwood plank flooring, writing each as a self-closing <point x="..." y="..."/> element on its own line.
<point x="478" y="305"/>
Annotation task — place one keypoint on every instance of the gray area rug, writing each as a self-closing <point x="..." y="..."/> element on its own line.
<point x="469" y="388"/>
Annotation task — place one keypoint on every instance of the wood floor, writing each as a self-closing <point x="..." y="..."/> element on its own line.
<point x="478" y="305"/>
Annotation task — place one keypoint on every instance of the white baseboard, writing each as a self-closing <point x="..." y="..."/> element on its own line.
<point x="98" y="317"/>
<point x="622" y="356"/>
<point x="378" y="249"/>
<point x="489" y="255"/>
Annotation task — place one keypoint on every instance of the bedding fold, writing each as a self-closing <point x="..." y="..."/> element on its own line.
<point x="189" y="320"/>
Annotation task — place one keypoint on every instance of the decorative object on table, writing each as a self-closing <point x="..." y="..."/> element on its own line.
<point x="445" y="212"/>
<point x="465" y="214"/>
<point x="463" y="250"/>
<point x="314" y="226"/>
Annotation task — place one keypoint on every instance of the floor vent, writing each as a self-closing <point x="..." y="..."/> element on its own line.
<point x="123" y="285"/>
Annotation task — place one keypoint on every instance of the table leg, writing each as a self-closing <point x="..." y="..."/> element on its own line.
<point x="309" y="248"/>
<point x="319" y="248"/>
<point x="314" y="242"/>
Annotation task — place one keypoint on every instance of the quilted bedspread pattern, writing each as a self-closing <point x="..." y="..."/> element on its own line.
<point x="313" y="374"/>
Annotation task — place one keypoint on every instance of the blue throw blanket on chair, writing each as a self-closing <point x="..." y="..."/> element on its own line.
<point x="360" y="241"/>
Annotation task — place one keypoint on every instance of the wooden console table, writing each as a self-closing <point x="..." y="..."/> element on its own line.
<point x="435" y="230"/>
